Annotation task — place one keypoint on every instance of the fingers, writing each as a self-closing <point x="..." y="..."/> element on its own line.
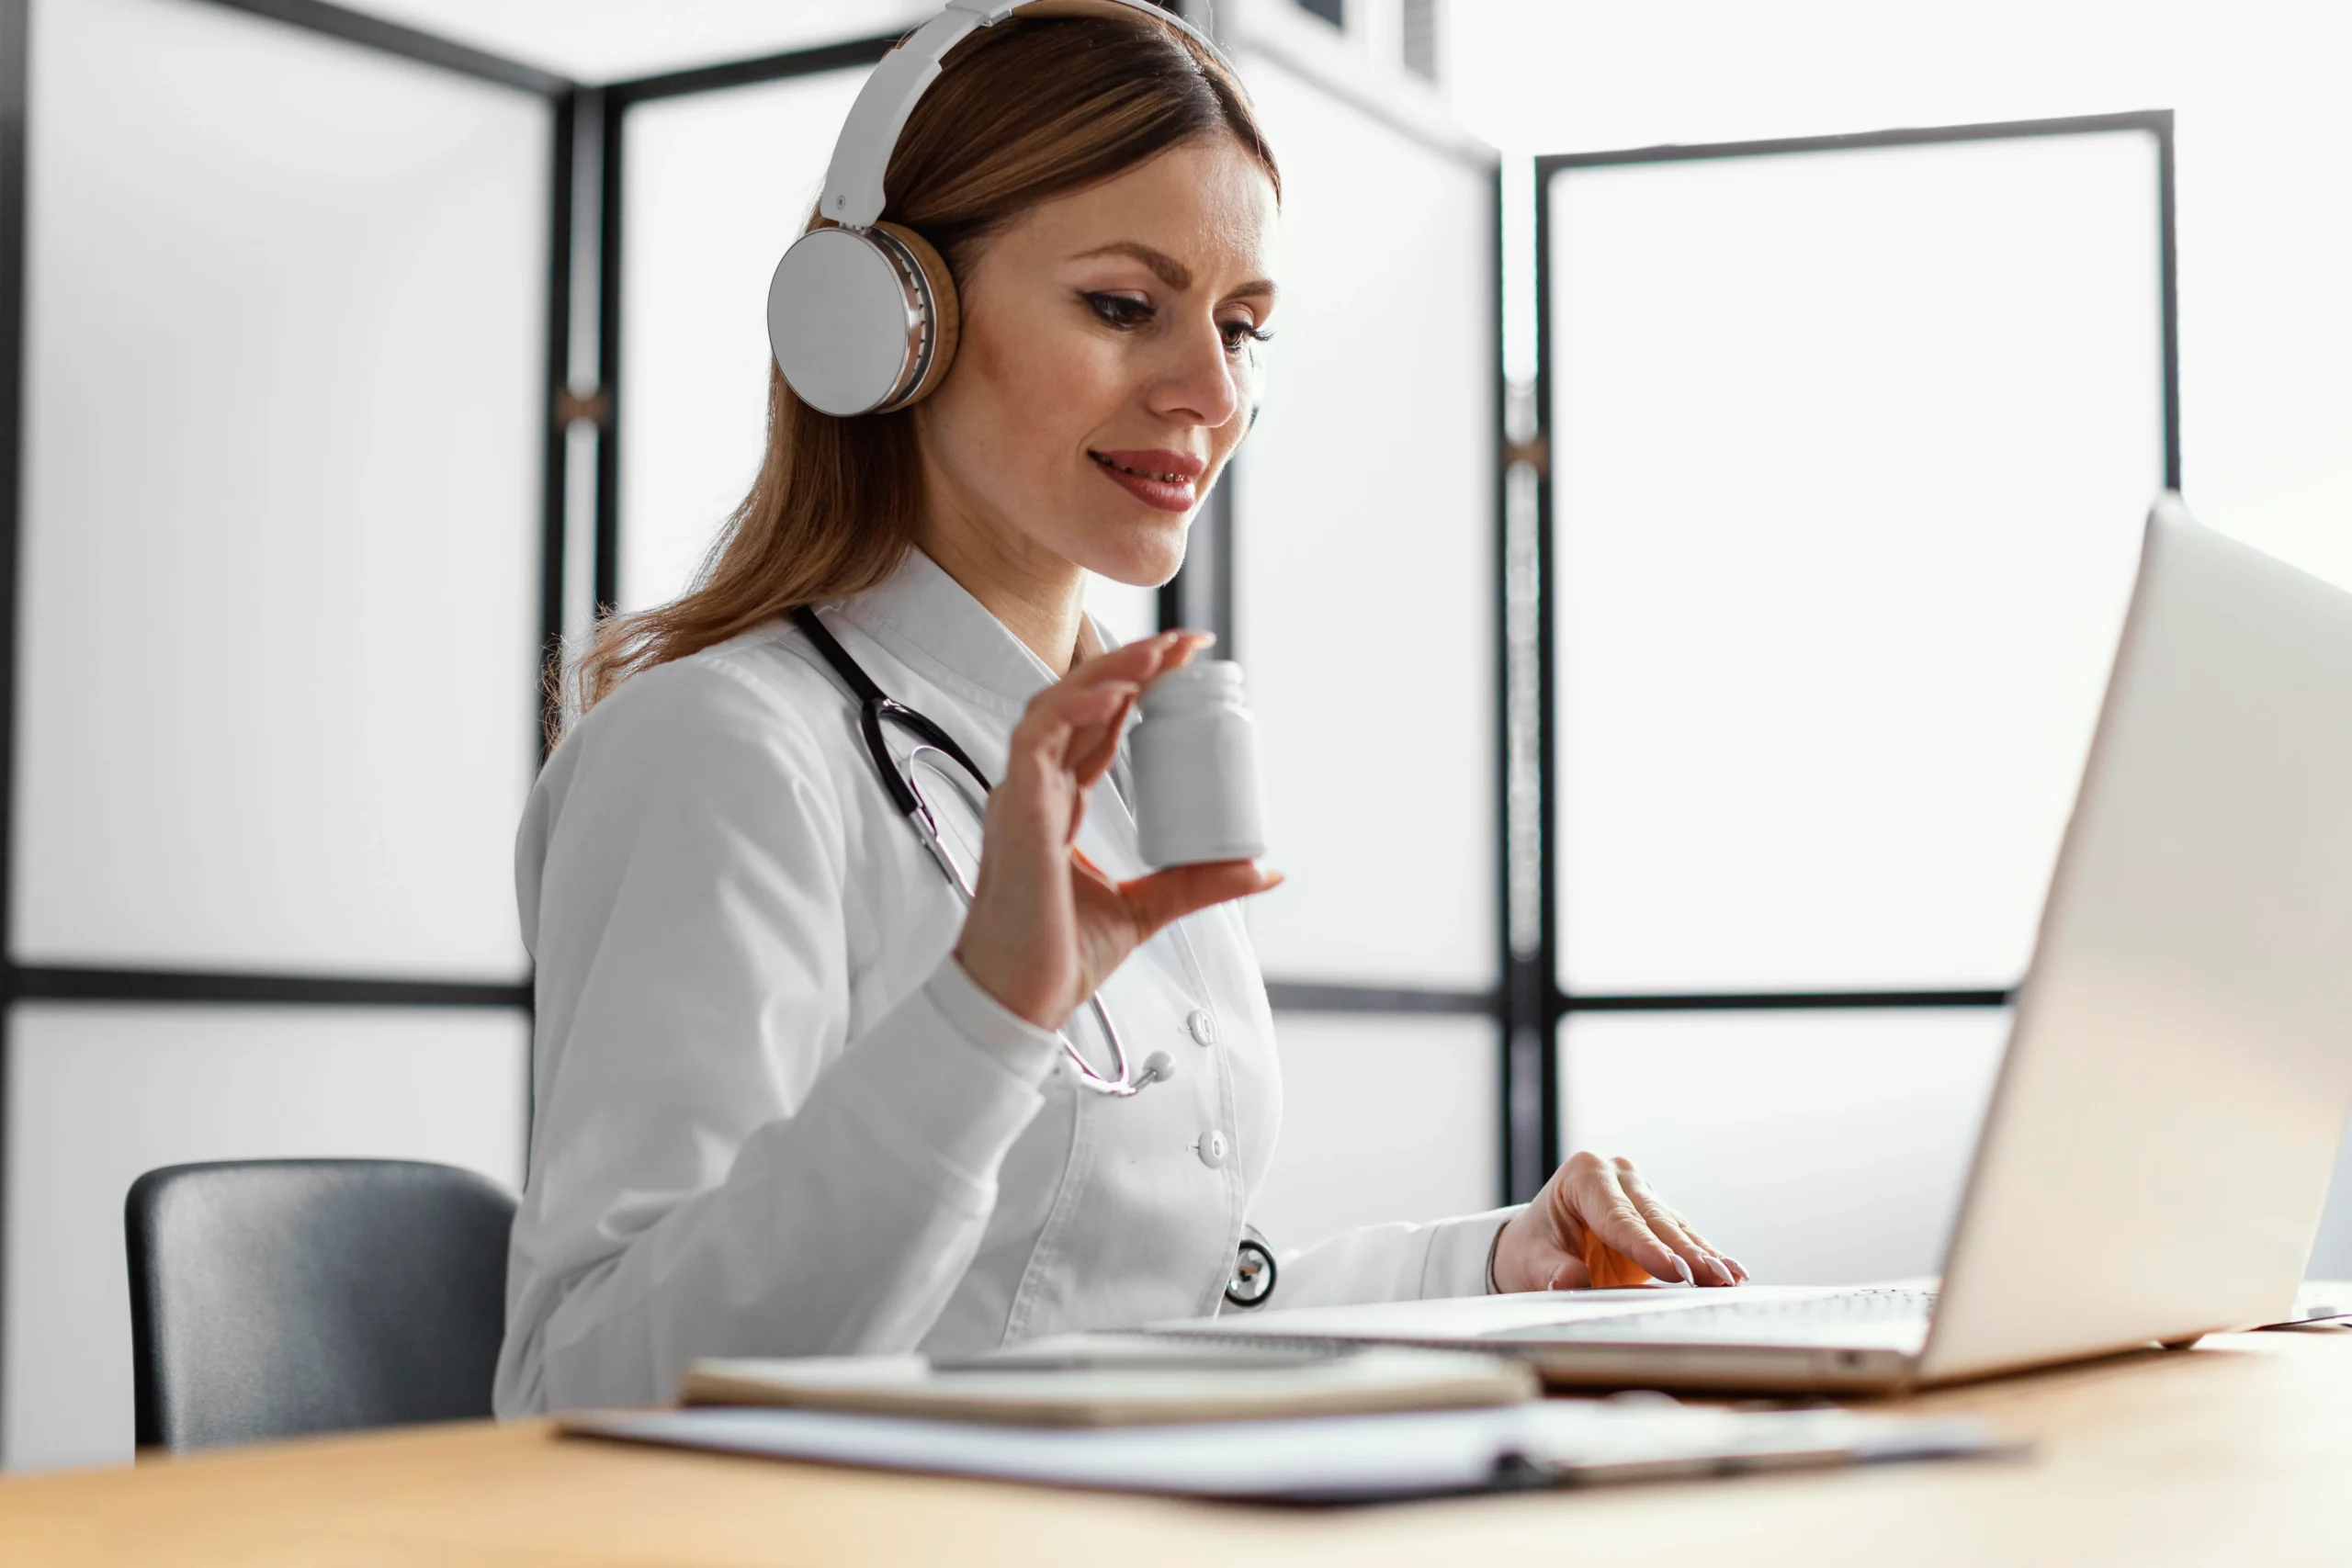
<point x="1099" y="747"/>
<point x="1141" y="661"/>
<point x="1061" y="712"/>
<point x="1707" y="1267"/>
<point x="1732" y="1265"/>
<point x="1066" y="733"/>
<point x="1073" y="725"/>
<point x="1597" y="1199"/>
<point x="1186" y="644"/>
<point x="1155" y="900"/>
<point x="1709" y="1264"/>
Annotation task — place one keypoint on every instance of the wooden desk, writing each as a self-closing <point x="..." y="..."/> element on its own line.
<point x="2237" y="1453"/>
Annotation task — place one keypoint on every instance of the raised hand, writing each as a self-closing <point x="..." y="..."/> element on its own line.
<point x="1046" y="927"/>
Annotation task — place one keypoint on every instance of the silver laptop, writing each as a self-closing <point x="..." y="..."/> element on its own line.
<point x="2160" y="1141"/>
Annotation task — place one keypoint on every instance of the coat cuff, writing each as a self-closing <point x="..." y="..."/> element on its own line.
<point x="1455" y="1264"/>
<point x="1019" y="1046"/>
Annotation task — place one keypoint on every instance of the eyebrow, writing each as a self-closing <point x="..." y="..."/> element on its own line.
<point x="1167" y="269"/>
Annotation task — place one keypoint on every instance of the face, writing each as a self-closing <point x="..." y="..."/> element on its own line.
<point x="1107" y="368"/>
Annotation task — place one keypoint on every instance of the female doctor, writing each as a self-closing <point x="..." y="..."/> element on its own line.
<point x="794" y="1095"/>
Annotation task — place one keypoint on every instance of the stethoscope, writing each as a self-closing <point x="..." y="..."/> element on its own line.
<point x="1252" y="1280"/>
<point x="876" y="708"/>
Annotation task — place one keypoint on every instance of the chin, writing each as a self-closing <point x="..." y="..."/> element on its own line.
<point x="1139" y="554"/>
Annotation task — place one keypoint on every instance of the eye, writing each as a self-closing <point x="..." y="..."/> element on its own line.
<point x="1124" y="311"/>
<point x="1240" y="334"/>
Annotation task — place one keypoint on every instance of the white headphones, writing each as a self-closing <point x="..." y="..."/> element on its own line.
<point x="862" y="316"/>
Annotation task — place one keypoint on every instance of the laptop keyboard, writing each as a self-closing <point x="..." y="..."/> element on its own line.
<point x="1873" y="1318"/>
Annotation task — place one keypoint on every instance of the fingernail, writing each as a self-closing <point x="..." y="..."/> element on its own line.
<point x="1684" y="1269"/>
<point x="1723" y="1271"/>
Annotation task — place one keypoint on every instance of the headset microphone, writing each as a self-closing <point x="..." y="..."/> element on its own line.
<point x="862" y="314"/>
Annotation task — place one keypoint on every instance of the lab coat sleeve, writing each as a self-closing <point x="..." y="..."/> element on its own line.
<point x="717" y="1168"/>
<point x="1391" y="1263"/>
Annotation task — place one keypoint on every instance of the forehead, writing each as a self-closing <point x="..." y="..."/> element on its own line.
<point x="1209" y="203"/>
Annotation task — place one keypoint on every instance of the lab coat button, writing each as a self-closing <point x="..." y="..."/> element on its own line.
<point x="1211" y="1149"/>
<point x="1203" y="1026"/>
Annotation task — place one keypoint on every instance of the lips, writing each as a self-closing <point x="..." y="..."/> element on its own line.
<point x="1161" y="480"/>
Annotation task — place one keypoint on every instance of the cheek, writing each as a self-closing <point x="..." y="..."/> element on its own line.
<point x="1039" y="392"/>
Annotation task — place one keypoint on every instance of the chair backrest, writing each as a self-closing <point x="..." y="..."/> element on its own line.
<point x="270" y="1298"/>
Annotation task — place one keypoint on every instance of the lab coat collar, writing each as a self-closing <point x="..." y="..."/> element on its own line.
<point x="929" y="620"/>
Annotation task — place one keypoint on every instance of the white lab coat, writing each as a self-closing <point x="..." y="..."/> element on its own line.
<point x="773" y="1115"/>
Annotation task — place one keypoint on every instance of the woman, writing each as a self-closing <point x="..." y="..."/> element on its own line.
<point x="793" y="1097"/>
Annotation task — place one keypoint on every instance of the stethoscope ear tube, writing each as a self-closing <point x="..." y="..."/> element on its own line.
<point x="871" y="714"/>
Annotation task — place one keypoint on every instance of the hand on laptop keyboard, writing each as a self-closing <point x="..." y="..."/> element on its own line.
<point x="1598" y="1222"/>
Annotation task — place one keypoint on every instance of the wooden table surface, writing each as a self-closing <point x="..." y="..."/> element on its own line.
<point x="2239" y="1451"/>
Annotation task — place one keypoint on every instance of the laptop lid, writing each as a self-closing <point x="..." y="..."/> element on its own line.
<point x="2165" y="1125"/>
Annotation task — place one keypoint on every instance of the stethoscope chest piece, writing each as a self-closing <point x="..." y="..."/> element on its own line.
<point x="1254" y="1272"/>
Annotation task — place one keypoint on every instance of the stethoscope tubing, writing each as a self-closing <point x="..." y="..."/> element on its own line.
<point x="876" y="708"/>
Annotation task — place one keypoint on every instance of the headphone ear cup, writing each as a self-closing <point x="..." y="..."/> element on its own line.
<point x="946" y="310"/>
<point x="844" y="321"/>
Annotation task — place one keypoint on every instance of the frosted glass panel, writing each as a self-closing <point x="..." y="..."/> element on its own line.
<point x="1850" y="452"/>
<point x="714" y="186"/>
<point x="1385" y="1117"/>
<point x="285" y="402"/>
<point x="96" y="1096"/>
<point x="1365" y="569"/>
<point x="1816" y="1147"/>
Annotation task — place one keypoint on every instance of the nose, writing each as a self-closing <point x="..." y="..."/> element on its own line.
<point x="1199" y="385"/>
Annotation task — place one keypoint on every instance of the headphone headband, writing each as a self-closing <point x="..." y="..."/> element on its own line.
<point x="853" y="195"/>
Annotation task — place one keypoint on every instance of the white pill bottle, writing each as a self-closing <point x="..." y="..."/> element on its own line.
<point x="1195" y="754"/>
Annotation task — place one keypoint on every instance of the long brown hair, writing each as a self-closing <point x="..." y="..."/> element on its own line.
<point x="1028" y="110"/>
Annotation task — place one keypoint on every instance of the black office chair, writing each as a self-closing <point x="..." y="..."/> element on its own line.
<point x="270" y="1298"/>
